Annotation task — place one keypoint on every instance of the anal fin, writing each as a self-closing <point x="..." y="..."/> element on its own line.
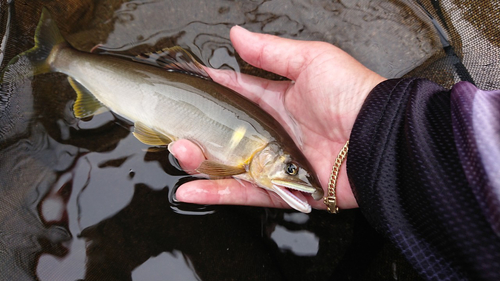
<point x="85" y="104"/>
<point x="217" y="169"/>
<point x="150" y="136"/>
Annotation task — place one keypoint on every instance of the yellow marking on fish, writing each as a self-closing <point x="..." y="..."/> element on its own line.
<point x="238" y="135"/>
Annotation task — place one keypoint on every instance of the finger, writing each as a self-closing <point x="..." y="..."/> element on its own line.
<point x="227" y="192"/>
<point x="188" y="154"/>
<point x="285" y="57"/>
<point x="234" y="192"/>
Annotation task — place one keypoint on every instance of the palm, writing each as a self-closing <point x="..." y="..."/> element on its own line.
<point x="319" y="131"/>
<point x="324" y="99"/>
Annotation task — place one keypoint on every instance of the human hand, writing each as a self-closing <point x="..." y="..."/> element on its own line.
<point x="324" y="96"/>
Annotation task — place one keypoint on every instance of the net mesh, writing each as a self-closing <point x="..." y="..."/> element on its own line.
<point x="470" y="35"/>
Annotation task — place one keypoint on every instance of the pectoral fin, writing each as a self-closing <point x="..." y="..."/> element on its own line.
<point x="85" y="104"/>
<point x="150" y="136"/>
<point x="217" y="169"/>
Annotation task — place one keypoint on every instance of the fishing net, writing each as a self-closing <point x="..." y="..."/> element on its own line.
<point x="470" y="34"/>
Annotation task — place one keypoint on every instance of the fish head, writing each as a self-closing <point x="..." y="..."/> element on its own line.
<point x="275" y="169"/>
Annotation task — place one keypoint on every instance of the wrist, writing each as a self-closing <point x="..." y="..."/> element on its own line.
<point x="344" y="192"/>
<point x="338" y="194"/>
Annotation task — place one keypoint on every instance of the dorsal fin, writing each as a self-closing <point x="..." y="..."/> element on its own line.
<point x="174" y="59"/>
<point x="97" y="49"/>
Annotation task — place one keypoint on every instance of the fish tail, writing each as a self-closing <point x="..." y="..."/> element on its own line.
<point x="36" y="60"/>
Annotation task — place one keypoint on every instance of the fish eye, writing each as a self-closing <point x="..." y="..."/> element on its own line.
<point x="291" y="169"/>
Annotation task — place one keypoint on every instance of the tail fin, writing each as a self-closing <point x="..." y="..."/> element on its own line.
<point x="35" y="60"/>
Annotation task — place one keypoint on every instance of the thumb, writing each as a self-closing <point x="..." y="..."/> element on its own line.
<point x="285" y="57"/>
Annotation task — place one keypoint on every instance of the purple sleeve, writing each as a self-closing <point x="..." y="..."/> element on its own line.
<point x="424" y="166"/>
<point x="476" y="127"/>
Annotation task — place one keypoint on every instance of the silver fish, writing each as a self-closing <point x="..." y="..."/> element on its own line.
<point x="169" y="96"/>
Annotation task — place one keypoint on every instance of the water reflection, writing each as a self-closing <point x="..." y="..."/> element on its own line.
<point x="300" y="243"/>
<point x="175" y="265"/>
<point x="83" y="199"/>
<point x="33" y="193"/>
<point x="365" y="29"/>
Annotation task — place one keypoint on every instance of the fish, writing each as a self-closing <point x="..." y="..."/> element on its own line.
<point x="168" y="95"/>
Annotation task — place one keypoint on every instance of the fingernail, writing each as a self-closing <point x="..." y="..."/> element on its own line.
<point x="174" y="198"/>
<point x="169" y="147"/>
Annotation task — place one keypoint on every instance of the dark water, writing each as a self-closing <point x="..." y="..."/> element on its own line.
<point x="85" y="200"/>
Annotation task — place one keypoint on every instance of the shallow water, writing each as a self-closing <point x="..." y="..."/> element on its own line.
<point x="83" y="199"/>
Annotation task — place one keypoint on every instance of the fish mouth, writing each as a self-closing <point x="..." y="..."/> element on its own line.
<point x="282" y="189"/>
<point x="294" y="186"/>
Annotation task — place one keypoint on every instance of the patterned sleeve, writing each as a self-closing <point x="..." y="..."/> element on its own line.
<point x="424" y="165"/>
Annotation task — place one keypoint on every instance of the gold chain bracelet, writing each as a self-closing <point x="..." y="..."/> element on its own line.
<point x="331" y="200"/>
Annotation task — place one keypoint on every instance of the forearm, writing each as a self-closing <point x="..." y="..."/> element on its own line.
<point x="409" y="181"/>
